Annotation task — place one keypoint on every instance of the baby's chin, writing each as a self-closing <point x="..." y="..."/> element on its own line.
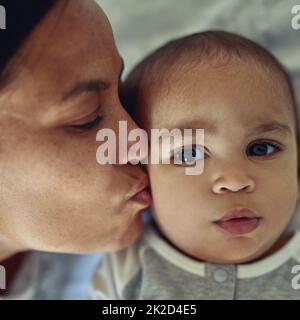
<point x="233" y="258"/>
<point x="235" y="253"/>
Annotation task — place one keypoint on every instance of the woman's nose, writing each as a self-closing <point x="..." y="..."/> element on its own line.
<point x="135" y="149"/>
<point x="233" y="178"/>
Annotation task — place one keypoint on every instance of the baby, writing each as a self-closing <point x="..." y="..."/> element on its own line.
<point x="220" y="234"/>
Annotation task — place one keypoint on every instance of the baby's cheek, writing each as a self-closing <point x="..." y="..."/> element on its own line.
<point x="287" y="188"/>
<point x="280" y="205"/>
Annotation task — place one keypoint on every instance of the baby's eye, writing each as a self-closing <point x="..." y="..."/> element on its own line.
<point x="263" y="148"/>
<point x="187" y="155"/>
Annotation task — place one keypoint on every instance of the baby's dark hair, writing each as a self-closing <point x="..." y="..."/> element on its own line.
<point x="209" y="47"/>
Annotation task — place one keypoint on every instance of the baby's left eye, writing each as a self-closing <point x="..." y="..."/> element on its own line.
<point x="263" y="149"/>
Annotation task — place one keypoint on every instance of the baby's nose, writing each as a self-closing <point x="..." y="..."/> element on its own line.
<point x="231" y="187"/>
<point x="233" y="180"/>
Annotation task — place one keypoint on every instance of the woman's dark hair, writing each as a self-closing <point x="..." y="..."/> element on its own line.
<point x="21" y="18"/>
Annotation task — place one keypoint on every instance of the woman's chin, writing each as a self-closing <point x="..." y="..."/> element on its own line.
<point x="132" y="233"/>
<point x="114" y="239"/>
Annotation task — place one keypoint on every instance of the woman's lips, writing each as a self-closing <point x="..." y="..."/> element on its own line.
<point x="142" y="193"/>
<point x="239" y="221"/>
<point x="143" y="197"/>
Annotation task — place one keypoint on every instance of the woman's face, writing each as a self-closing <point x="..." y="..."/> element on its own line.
<point x="64" y="87"/>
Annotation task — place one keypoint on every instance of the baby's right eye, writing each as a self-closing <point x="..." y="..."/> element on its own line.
<point x="187" y="155"/>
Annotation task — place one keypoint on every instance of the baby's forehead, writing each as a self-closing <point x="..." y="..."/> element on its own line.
<point x="211" y="73"/>
<point x="236" y="92"/>
<point x="191" y="79"/>
<point x="190" y="67"/>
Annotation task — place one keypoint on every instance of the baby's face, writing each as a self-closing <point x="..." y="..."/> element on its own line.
<point x="243" y="167"/>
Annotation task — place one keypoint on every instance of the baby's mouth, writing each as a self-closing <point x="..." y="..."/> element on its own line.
<point x="238" y="221"/>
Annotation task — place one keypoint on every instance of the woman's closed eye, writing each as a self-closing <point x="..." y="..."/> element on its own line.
<point x="85" y="126"/>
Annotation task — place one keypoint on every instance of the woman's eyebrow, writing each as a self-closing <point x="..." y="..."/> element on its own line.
<point x="90" y="85"/>
<point x="86" y="86"/>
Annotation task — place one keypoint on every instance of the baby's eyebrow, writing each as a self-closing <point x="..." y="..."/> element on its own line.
<point x="273" y="126"/>
<point x="212" y="129"/>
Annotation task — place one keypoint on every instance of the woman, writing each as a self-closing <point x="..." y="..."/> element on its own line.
<point x="59" y="85"/>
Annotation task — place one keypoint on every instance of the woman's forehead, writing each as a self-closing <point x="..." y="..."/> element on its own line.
<point x="60" y="54"/>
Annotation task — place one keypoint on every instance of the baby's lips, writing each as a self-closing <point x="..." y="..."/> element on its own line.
<point x="238" y="212"/>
